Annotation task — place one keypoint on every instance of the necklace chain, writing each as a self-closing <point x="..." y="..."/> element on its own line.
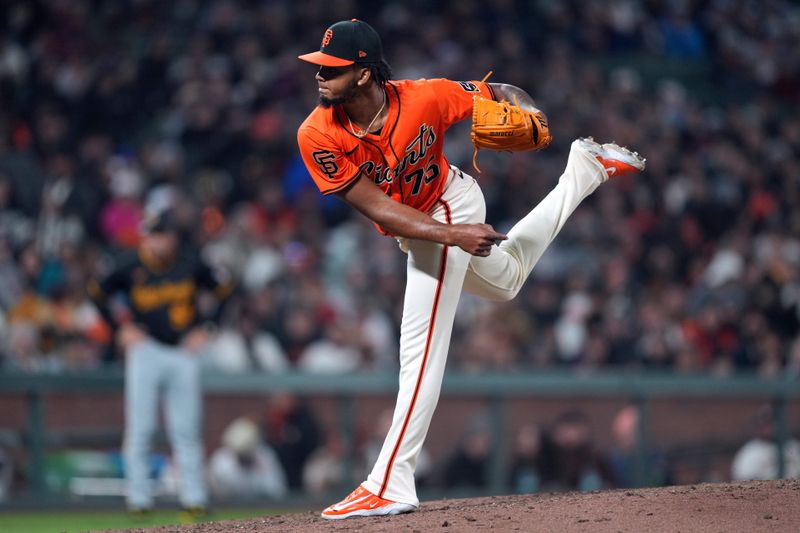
<point x="360" y="133"/>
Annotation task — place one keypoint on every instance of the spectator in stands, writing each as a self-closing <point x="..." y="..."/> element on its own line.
<point x="758" y="457"/>
<point x="623" y="456"/>
<point x="23" y="350"/>
<point x="489" y="344"/>
<point x="530" y="460"/>
<point x="292" y="431"/>
<point x="577" y="465"/>
<point x="468" y="467"/>
<point x="15" y="227"/>
<point x="244" y="467"/>
<point x="246" y="348"/>
<point x="121" y="216"/>
<point x="325" y="468"/>
<point x="298" y="330"/>
<point x="337" y="352"/>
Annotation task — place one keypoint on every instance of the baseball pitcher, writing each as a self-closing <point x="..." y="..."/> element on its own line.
<point x="377" y="144"/>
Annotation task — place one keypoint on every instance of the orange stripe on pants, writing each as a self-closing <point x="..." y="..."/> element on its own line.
<point x="432" y="321"/>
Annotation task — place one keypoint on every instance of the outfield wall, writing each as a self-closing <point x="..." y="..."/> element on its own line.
<point x="689" y="413"/>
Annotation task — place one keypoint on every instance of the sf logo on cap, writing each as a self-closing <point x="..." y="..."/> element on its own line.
<point x="326" y="39"/>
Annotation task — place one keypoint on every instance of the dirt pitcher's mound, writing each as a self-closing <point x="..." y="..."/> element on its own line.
<point x="724" y="508"/>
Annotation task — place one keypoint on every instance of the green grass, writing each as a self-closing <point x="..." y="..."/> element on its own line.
<point x="74" y="521"/>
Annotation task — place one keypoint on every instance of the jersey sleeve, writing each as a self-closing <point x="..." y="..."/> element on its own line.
<point x="119" y="280"/>
<point x="331" y="170"/>
<point x="455" y="97"/>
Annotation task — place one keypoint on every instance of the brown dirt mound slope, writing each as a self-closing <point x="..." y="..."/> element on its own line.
<point x="724" y="508"/>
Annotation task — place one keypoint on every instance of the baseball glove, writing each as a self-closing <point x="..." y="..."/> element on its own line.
<point x="505" y="126"/>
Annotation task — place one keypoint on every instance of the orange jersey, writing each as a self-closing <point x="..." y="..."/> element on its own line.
<point x="405" y="158"/>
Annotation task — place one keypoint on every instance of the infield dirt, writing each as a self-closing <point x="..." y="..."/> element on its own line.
<point x="757" y="506"/>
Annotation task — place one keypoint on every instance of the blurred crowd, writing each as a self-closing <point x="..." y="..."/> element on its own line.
<point x="293" y="453"/>
<point x="112" y="108"/>
<point x="287" y="451"/>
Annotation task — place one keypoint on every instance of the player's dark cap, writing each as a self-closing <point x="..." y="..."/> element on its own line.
<point x="160" y="222"/>
<point x="345" y="43"/>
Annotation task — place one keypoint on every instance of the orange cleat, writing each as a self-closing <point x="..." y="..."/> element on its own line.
<point x="362" y="502"/>
<point x="617" y="160"/>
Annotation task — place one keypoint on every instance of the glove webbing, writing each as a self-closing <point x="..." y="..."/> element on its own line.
<point x="533" y="125"/>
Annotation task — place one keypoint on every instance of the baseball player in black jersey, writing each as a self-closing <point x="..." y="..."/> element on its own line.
<point x="161" y="340"/>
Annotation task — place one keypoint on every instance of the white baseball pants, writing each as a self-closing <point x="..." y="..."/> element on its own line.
<point x="435" y="278"/>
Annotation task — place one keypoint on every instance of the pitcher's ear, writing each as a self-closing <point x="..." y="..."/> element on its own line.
<point x="364" y="76"/>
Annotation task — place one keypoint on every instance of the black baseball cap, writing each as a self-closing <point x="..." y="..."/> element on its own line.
<point x="345" y="43"/>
